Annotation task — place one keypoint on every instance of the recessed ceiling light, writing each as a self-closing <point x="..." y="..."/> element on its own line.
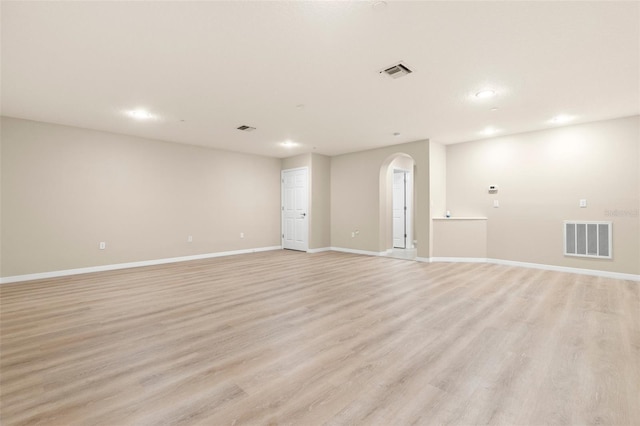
<point x="289" y="144"/>
<point x="483" y="94"/>
<point x="489" y="131"/>
<point x="140" y="114"/>
<point x="379" y="5"/>
<point x="561" y="119"/>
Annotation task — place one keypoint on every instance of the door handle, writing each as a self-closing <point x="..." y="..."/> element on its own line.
<point x="304" y="214"/>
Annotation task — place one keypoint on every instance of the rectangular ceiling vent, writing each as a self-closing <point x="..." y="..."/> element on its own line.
<point x="246" y="128"/>
<point x="396" y="71"/>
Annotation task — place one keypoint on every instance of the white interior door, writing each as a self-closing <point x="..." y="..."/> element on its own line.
<point x="399" y="209"/>
<point x="295" y="205"/>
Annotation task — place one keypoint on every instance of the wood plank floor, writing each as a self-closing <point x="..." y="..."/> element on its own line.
<point x="310" y="339"/>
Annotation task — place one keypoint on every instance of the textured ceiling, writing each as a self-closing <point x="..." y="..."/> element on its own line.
<point x="308" y="71"/>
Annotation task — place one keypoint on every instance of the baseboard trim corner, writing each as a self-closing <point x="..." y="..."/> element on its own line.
<point x="355" y="251"/>
<point x="319" y="250"/>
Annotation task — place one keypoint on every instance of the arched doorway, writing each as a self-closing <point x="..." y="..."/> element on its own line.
<point x="397" y="206"/>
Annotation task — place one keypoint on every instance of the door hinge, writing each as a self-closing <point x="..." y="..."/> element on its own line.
<point x="405" y="235"/>
<point x="282" y="235"/>
<point x="282" y="208"/>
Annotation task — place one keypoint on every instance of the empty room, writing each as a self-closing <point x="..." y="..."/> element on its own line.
<point x="320" y="213"/>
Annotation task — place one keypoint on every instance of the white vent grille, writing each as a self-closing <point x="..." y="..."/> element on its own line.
<point x="396" y="71"/>
<point x="587" y="239"/>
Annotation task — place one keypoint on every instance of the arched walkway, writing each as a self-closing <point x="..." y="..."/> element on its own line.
<point x="397" y="213"/>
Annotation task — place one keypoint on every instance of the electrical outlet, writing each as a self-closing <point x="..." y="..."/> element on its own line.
<point x="496" y="204"/>
<point x="102" y="245"/>
<point x="583" y="203"/>
<point x="190" y="239"/>
<point x="353" y="235"/>
<point x="242" y="235"/>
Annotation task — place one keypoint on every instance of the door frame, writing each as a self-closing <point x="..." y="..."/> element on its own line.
<point x="409" y="206"/>
<point x="404" y="207"/>
<point x="306" y="207"/>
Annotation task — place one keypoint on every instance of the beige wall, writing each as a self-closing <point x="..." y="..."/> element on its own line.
<point x="459" y="238"/>
<point x="296" y="162"/>
<point x="320" y="235"/>
<point x="438" y="178"/>
<point x="359" y="197"/>
<point x="66" y="189"/>
<point x="437" y="185"/>
<point x="541" y="177"/>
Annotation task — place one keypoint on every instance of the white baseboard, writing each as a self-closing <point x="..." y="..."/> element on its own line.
<point x="319" y="250"/>
<point x="67" y="272"/>
<point x="592" y="272"/>
<point x="459" y="259"/>
<point x="354" y="251"/>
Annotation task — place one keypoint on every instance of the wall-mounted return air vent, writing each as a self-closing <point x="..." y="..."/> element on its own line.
<point x="246" y="128"/>
<point x="587" y="239"/>
<point x="396" y="71"/>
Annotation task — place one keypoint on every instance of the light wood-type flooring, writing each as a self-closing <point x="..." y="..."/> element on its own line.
<point x="329" y="338"/>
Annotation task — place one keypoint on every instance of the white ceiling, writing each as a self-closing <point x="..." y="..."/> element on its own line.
<point x="219" y="65"/>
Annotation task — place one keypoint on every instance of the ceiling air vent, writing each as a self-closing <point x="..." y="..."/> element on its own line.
<point x="246" y="128"/>
<point x="396" y="71"/>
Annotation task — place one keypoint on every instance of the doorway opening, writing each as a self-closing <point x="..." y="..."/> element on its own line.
<point x="397" y="207"/>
